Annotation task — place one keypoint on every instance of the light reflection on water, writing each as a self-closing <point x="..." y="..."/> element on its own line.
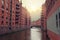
<point x="35" y="33"/>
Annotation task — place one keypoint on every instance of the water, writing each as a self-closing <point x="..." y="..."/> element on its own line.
<point x="24" y="35"/>
<point x="36" y="33"/>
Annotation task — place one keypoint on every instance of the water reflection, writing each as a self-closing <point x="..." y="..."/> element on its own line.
<point x="24" y="35"/>
<point x="35" y="33"/>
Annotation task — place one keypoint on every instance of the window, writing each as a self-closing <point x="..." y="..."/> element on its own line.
<point x="17" y="6"/>
<point x="17" y="19"/>
<point x="17" y="15"/>
<point x="56" y="17"/>
<point x="6" y="8"/>
<point x="59" y="19"/>
<point x="56" y="20"/>
<point x="2" y="7"/>
<point x="13" y="23"/>
<point x="1" y="22"/>
<point x="6" y="17"/>
<point x="59" y="15"/>
<point x="2" y="11"/>
<point x="16" y="22"/>
<point x="2" y="16"/>
<point x="6" y="22"/>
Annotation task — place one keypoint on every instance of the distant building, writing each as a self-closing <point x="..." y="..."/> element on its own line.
<point x="25" y="18"/>
<point x="36" y="23"/>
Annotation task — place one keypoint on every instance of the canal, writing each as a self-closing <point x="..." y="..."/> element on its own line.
<point x="29" y="34"/>
<point x="36" y="33"/>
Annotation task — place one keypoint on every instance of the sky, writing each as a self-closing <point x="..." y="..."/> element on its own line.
<point x="34" y="7"/>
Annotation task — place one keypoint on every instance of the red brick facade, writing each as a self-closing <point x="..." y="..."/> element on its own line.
<point x="9" y="15"/>
<point x="12" y="16"/>
<point x="25" y="18"/>
<point x="36" y="23"/>
<point x="43" y="22"/>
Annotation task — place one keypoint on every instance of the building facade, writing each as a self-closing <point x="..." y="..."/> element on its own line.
<point x="52" y="22"/>
<point x="12" y="16"/>
<point x="43" y="22"/>
<point x="9" y="15"/>
<point x="25" y="18"/>
<point x="36" y="23"/>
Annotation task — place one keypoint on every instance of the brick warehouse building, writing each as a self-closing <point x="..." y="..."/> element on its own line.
<point x="36" y="23"/>
<point x="11" y="16"/>
<point x="25" y="18"/>
<point x="25" y="24"/>
<point x="8" y="15"/>
<point x="51" y="22"/>
<point x="43" y="22"/>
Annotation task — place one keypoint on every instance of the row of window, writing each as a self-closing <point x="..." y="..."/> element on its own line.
<point x="17" y="5"/>
<point x="3" y="17"/>
<point x="3" y="7"/>
<point x="17" y="16"/>
<point x="3" y="22"/>
<point x="3" y="11"/>
<point x="42" y="20"/>
<point x="5" y="27"/>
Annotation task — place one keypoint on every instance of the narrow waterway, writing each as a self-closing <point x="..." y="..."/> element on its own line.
<point x="36" y="33"/>
<point x="29" y="34"/>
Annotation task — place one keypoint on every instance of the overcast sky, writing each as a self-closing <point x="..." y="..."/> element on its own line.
<point x="34" y="7"/>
